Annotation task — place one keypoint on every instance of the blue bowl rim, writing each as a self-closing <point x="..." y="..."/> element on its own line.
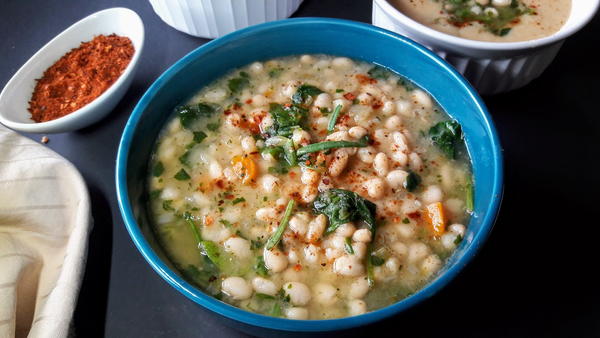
<point x="258" y="320"/>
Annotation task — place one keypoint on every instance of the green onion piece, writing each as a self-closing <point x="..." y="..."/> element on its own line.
<point x="348" y="246"/>
<point x="370" y="267"/>
<point x="334" y="117"/>
<point x="282" y="225"/>
<point x="470" y="198"/>
<point x="211" y="250"/>
<point x="188" y="219"/>
<point x="313" y="148"/>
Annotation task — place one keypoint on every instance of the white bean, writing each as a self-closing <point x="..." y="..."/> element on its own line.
<point x="248" y="144"/>
<point x="263" y="285"/>
<point x="432" y="194"/>
<point x="316" y="228"/>
<point x="420" y="97"/>
<point x="299" y="223"/>
<point x="236" y="288"/>
<point x="403" y="107"/>
<point x="458" y="229"/>
<point x="325" y="294"/>
<point x="256" y="67"/>
<point x="415" y="162"/>
<point x="400" y="249"/>
<point x="259" y="100"/>
<point x="298" y="313"/>
<point x="311" y="254"/>
<point x="299" y="293"/>
<point x="300" y="137"/>
<point x="417" y="251"/>
<point x="381" y="164"/>
<point x="400" y="141"/>
<point x="309" y="176"/>
<point x="430" y="265"/>
<point x="342" y="63"/>
<point x="357" y="307"/>
<point x="359" y="288"/>
<point x="367" y="154"/>
<point x="375" y="187"/>
<point x="323" y="100"/>
<point x="388" y="108"/>
<point x="307" y="59"/>
<point x="490" y="11"/>
<point x="400" y="157"/>
<point x="362" y="235"/>
<point x="341" y="102"/>
<point x="345" y="230"/>
<point x="275" y="260"/>
<point x="348" y="266"/>
<point x="266" y="214"/>
<point x="214" y="170"/>
<point x="448" y="240"/>
<point x="338" y="163"/>
<point x="396" y="178"/>
<point x="290" y="88"/>
<point x="238" y="246"/>
<point x="393" y="122"/>
<point x="357" y="132"/>
<point x="501" y="3"/>
<point x="268" y="183"/>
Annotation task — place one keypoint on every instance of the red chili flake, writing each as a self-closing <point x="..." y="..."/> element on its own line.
<point x="236" y="106"/>
<point x="287" y="105"/>
<point x="349" y="96"/>
<point x="220" y="184"/>
<point x="377" y="105"/>
<point x="326" y="181"/>
<point x="364" y="79"/>
<point x="249" y="101"/>
<point x="227" y="112"/>
<point x="292" y="174"/>
<point x="414" y="215"/>
<point x="80" y="76"/>
<point x="297" y="267"/>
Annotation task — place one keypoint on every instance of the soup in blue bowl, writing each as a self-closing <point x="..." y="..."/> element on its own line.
<point x="309" y="175"/>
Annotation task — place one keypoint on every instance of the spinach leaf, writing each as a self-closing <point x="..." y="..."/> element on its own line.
<point x="412" y="181"/>
<point x="447" y="136"/>
<point x="188" y="114"/>
<point x="378" y="72"/>
<point x="343" y="206"/>
<point x="238" y="83"/>
<point x="286" y="119"/>
<point x="304" y="92"/>
<point x="213" y="126"/>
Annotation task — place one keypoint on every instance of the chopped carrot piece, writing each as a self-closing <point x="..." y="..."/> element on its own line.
<point x="245" y="168"/>
<point x="436" y="218"/>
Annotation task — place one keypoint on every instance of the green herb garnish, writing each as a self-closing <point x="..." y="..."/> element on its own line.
<point x="238" y="200"/>
<point x="188" y="114"/>
<point x="238" y="83"/>
<point x="260" y="268"/>
<point x="378" y="72"/>
<point x="412" y="181"/>
<point x="334" y="118"/>
<point x="348" y="246"/>
<point x="158" y="169"/>
<point x="315" y="147"/>
<point x="182" y="175"/>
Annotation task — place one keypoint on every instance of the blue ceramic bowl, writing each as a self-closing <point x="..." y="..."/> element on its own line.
<point x="302" y="36"/>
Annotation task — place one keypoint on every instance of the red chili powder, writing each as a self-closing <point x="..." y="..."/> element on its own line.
<point x="80" y="76"/>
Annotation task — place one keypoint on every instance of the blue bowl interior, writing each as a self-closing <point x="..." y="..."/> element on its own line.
<point x="305" y="36"/>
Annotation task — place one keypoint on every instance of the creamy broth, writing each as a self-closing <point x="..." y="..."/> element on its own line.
<point x="364" y="222"/>
<point x="525" y="19"/>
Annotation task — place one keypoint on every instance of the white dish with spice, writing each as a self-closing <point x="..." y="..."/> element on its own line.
<point x="15" y="97"/>
<point x="492" y="67"/>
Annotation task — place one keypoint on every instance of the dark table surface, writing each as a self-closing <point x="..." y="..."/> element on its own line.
<point x="536" y="276"/>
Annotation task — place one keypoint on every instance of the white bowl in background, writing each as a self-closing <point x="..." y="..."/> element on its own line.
<point x="14" y="99"/>
<point x="215" y="18"/>
<point x="491" y="67"/>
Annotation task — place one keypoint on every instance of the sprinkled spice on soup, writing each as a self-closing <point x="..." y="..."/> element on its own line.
<point x="310" y="187"/>
<point x="490" y="20"/>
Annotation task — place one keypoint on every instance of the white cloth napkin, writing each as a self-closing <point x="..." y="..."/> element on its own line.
<point x="44" y="224"/>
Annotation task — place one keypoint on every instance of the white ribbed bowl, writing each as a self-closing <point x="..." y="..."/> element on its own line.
<point x="215" y="18"/>
<point x="491" y="67"/>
